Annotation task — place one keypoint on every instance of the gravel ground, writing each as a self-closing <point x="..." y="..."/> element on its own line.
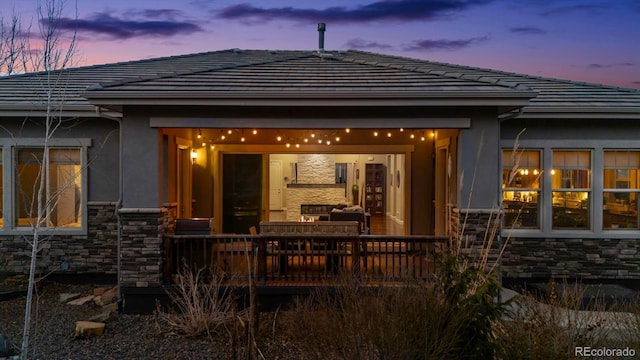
<point x="125" y="337"/>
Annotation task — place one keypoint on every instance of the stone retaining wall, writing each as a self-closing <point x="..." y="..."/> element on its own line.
<point x="94" y="253"/>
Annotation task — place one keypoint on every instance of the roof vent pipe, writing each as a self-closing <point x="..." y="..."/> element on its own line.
<point x="321" y="28"/>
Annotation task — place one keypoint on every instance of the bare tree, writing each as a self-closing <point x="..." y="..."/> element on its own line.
<point x="51" y="60"/>
<point x="13" y="43"/>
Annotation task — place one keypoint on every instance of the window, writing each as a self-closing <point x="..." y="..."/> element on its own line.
<point x="521" y="188"/>
<point x="571" y="186"/>
<point x="620" y="190"/>
<point x="61" y="195"/>
<point x="588" y="186"/>
<point x="341" y="173"/>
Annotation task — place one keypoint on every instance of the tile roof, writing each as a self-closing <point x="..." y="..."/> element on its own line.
<point x="292" y="73"/>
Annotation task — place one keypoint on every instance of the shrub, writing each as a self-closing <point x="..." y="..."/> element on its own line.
<point x="454" y="318"/>
<point x="201" y="305"/>
<point x="553" y="325"/>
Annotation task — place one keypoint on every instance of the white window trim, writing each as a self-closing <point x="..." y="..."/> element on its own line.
<point x="597" y="148"/>
<point x="8" y="146"/>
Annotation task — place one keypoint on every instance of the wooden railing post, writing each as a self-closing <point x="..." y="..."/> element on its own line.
<point x="355" y="255"/>
<point x="168" y="259"/>
<point x="262" y="258"/>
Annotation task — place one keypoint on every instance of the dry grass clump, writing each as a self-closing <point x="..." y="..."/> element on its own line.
<point x="408" y="321"/>
<point x="201" y="305"/>
<point x="553" y="325"/>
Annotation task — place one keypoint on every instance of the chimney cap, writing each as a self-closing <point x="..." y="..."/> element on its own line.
<point x="322" y="26"/>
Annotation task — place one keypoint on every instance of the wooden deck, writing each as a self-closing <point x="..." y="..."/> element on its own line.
<point x="299" y="260"/>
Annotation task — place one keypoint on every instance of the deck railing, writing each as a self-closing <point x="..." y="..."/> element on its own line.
<point x="299" y="259"/>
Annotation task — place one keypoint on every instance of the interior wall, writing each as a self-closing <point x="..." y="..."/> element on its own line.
<point x="395" y="187"/>
<point x="202" y="184"/>
<point x="171" y="151"/>
<point x="356" y="175"/>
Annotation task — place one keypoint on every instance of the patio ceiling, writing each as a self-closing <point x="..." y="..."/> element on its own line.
<point x="299" y="139"/>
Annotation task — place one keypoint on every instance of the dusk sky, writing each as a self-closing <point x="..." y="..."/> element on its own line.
<point x="589" y="40"/>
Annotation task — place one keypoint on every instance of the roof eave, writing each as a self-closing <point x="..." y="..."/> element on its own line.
<point x="439" y="98"/>
<point x="532" y="112"/>
<point x="68" y="111"/>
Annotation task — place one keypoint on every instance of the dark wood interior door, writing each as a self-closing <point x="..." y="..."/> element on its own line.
<point x="241" y="189"/>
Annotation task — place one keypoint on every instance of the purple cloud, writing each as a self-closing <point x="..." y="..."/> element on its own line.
<point x="527" y="30"/>
<point x="608" y="66"/>
<point x="381" y="10"/>
<point x="103" y="24"/>
<point x="155" y="13"/>
<point x="443" y="44"/>
<point x="358" y="43"/>
<point x="566" y="10"/>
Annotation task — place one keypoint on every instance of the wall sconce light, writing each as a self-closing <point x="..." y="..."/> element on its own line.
<point x="194" y="156"/>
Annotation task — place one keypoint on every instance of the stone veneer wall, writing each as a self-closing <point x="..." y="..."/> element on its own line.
<point x="472" y="228"/>
<point x="575" y="258"/>
<point x="572" y="258"/>
<point x="299" y="196"/>
<point x="316" y="169"/>
<point x="172" y="215"/>
<point x="141" y="247"/>
<point x="94" y="253"/>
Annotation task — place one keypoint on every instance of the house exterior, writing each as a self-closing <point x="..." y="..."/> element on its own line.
<point x="552" y="165"/>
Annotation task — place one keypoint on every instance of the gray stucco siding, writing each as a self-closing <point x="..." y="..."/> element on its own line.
<point x="478" y="171"/>
<point x="102" y="155"/>
<point x="564" y="129"/>
<point x="142" y="163"/>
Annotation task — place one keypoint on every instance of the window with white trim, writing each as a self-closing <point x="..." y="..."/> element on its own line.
<point x="60" y="197"/>
<point x="621" y="185"/>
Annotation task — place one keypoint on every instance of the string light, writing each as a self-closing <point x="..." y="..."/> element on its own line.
<point x="322" y="137"/>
